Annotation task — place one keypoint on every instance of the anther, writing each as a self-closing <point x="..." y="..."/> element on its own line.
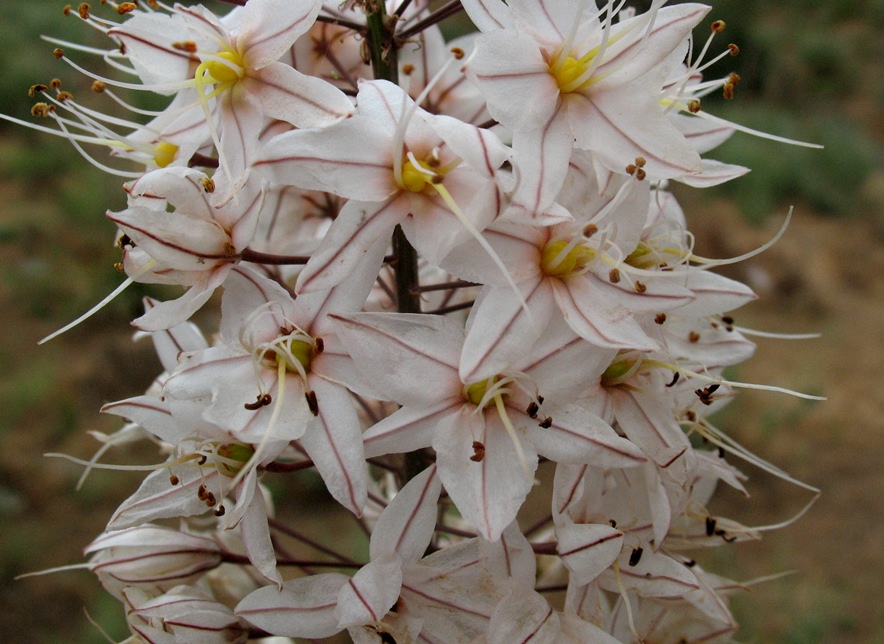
<point x="694" y="105"/>
<point x="208" y="184"/>
<point x="690" y="563"/>
<point x="710" y="526"/>
<point x="118" y="266"/>
<point x="66" y="10"/>
<point x="630" y="169"/>
<point x="732" y="78"/>
<point x="36" y="89"/>
<point x="58" y="52"/>
<point x="174" y="480"/>
<point x="42" y="110"/>
<point x="640" y="162"/>
<point x="126" y="7"/>
<point x="532" y="410"/>
<point x="727" y="92"/>
<point x="612" y="523"/>
<point x="262" y="401"/>
<point x="83" y="10"/>
<point x="408" y="69"/>
<point x="691" y="416"/>
<point x="674" y="380"/>
<point x="124" y="241"/>
<point x="734" y="49"/>
<point x="478" y="452"/>
<point x="640" y="174"/>
<point x="201" y="493"/>
<point x="705" y="395"/>
<point x="693" y="337"/>
<point x="660" y="318"/>
<point x="640" y="286"/>
<point x="98" y="86"/>
<point x="458" y="53"/>
<point x="185" y="45"/>
<point x="312" y="403"/>
<point x="210" y="500"/>
<point x="718" y="26"/>
<point x="319" y="345"/>
<point x="614" y="275"/>
<point x="636" y="556"/>
<point x="219" y="511"/>
<point x="547" y="422"/>
<point x="55" y="84"/>
<point x="589" y="230"/>
<point x="64" y="96"/>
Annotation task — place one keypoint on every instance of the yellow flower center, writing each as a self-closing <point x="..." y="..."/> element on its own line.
<point x="231" y="454"/>
<point x="570" y="71"/>
<point x="220" y="72"/>
<point x="164" y="153"/>
<point x="476" y="391"/>
<point x="299" y="350"/>
<point x="416" y="178"/>
<point x="554" y="264"/>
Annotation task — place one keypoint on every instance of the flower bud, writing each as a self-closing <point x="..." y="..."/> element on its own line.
<point x="151" y="557"/>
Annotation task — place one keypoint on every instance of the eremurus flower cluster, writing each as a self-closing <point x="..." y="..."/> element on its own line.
<point x="443" y="265"/>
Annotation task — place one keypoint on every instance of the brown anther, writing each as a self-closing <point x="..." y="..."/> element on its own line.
<point x="640" y="174"/>
<point x="693" y="337"/>
<point x="211" y="500"/>
<point x="660" y="318"/>
<point x="202" y="457"/>
<point x="690" y="563"/>
<point x="640" y="162"/>
<point x="118" y="266"/>
<point x="478" y="452"/>
<point x="124" y="241"/>
<point x="153" y="4"/>
<point x="640" y="286"/>
<point x="710" y="526"/>
<point x="36" y="89"/>
<point x="185" y="45"/>
<point x="718" y="26"/>
<point x="202" y="493"/>
<point x="539" y="399"/>
<point x="458" y="53"/>
<point x="262" y="401"/>
<point x="66" y="10"/>
<point x="532" y="410"/>
<point x="674" y="380"/>
<point x="42" y="110"/>
<point x="547" y="422"/>
<point x="219" y="511"/>
<point x="589" y="230"/>
<point x="55" y="84"/>
<point x="728" y="92"/>
<point x="636" y="556"/>
<point x="691" y="416"/>
<point x="705" y="395"/>
<point x="612" y="523"/>
<point x="319" y="346"/>
<point x="58" y="53"/>
<point x="733" y="79"/>
<point x="98" y="86"/>
<point x="174" y="480"/>
<point x="312" y="403"/>
<point x="694" y="105"/>
<point x="630" y="169"/>
<point x="208" y="184"/>
<point x="126" y="7"/>
<point x="64" y="96"/>
<point x="408" y="69"/>
<point x="727" y="319"/>
<point x="734" y="49"/>
<point x="614" y="275"/>
<point x="83" y="10"/>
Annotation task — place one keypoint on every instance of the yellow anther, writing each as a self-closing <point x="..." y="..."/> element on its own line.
<point x="574" y="261"/>
<point x="220" y="72"/>
<point x="164" y="153"/>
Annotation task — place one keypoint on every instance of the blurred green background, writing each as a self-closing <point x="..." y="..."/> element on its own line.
<point x="811" y="69"/>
